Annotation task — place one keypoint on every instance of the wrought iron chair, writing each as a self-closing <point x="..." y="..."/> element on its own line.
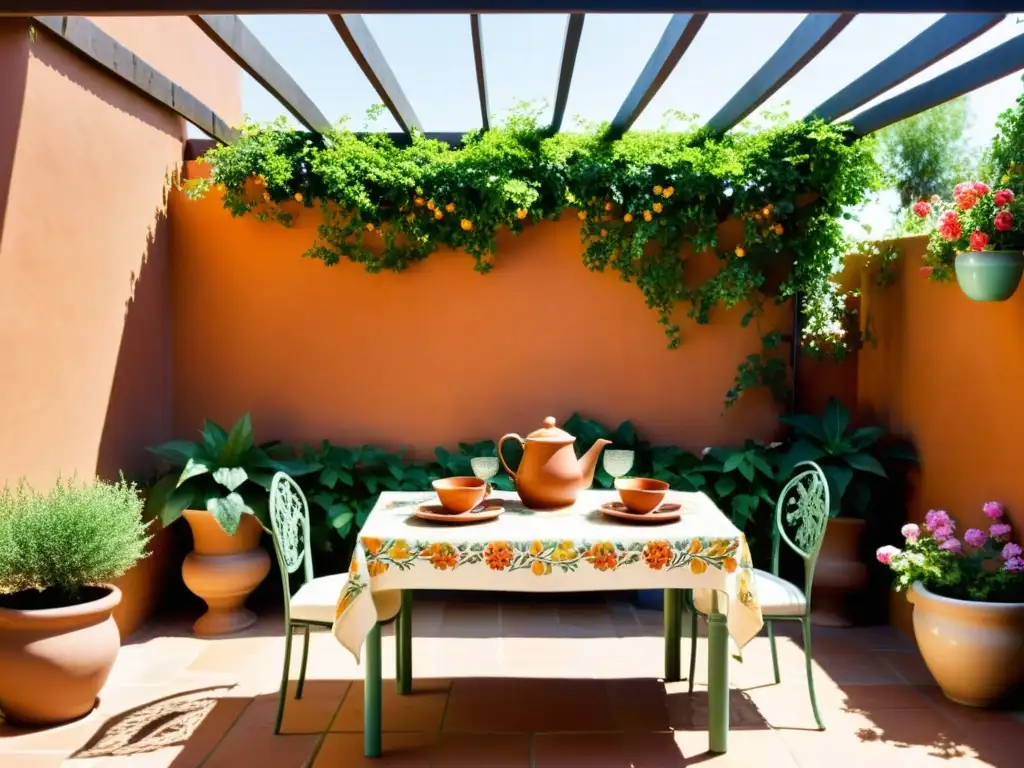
<point x="314" y="603"/>
<point x="803" y="507"/>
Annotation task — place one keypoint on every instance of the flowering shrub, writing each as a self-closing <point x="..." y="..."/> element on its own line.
<point x="978" y="219"/>
<point x="984" y="565"/>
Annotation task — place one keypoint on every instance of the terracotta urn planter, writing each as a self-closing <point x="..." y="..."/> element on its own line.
<point x="224" y="570"/>
<point x="839" y="573"/>
<point x="56" y="660"/>
<point x="989" y="275"/>
<point x="975" y="651"/>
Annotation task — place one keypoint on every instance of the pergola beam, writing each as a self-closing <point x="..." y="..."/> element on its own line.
<point x="244" y="48"/>
<point x="368" y="55"/>
<point x="188" y="7"/>
<point x="680" y="32"/>
<point x="478" y="62"/>
<point x="89" y="40"/>
<point x="1004" y="59"/>
<point x="945" y="36"/>
<point x="571" y="47"/>
<point x="809" y="39"/>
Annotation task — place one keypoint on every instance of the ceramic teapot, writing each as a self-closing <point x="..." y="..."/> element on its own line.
<point x="550" y="476"/>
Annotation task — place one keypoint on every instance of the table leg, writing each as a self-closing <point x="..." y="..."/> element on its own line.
<point x="372" y="695"/>
<point x="403" y="645"/>
<point x="718" y="680"/>
<point x="673" y="634"/>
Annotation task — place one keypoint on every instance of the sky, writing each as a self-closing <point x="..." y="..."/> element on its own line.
<point x="432" y="58"/>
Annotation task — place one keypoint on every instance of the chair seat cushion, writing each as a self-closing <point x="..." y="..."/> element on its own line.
<point x="775" y="595"/>
<point x="316" y="599"/>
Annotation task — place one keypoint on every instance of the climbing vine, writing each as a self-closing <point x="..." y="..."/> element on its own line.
<point x="640" y="200"/>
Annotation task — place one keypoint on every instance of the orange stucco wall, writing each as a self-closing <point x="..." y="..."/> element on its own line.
<point x="438" y="354"/>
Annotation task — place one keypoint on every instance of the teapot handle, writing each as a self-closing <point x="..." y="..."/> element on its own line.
<point x="518" y="439"/>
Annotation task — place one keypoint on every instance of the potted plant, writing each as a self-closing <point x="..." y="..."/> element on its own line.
<point x="968" y="598"/>
<point x="58" y="552"/>
<point x="985" y="228"/>
<point x="221" y="486"/>
<point x="852" y="460"/>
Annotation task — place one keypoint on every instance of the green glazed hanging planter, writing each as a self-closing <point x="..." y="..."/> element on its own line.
<point x="989" y="275"/>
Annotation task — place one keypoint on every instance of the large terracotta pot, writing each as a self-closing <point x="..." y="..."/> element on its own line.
<point x="54" y="661"/>
<point x="224" y="570"/>
<point x="975" y="651"/>
<point x="839" y="573"/>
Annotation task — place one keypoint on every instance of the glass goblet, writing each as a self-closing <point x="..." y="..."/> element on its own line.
<point x="617" y="463"/>
<point x="485" y="467"/>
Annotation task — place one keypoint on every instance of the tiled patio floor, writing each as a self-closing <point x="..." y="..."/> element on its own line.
<point x="518" y="685"/>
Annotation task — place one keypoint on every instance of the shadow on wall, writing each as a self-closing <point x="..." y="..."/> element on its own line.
<point x="14" y="40"/>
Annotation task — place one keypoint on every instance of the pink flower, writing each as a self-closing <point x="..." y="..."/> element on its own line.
<point x="885" y="554"/>
<point x="999" y="531"/>
<point x="967" y="199"/>
<point x="934" y="518"/>
<point x="1011" y="550"/>
<point x="1003" y="221"/>
<point x="952" y="545"/>
<point x="950" y="227"/>
<point x="978" y="240"/>
<point x="921" y="209"/>
<point x="943" y="532"/>
<point x="993" y="510"/>
<point x="981" y="188"/>
<point x="975" y="538"/>
<point x="960" y="188"/>
<point x="1014" y="565"/>
<point x="1003" y="197"/>
<point x="910" y="532"/>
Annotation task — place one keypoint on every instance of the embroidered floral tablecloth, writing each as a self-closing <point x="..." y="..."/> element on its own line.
<point x="572" y="550"/>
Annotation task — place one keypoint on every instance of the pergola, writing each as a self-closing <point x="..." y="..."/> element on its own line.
<point x="964" y="21"/>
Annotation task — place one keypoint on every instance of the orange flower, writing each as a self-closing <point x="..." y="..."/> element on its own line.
<point x="343" y="603"/>
<point x="698" y="566"/>
<point x="418" y="201"/>
<point x="498" y="555"/>
<point x="778" y="229"/>
<point x="740" y="253"/>
<point x="657" y="555"/>
<point x="369" y="226"/>
<point x="438" y="215"/>
<point x="647" y="216"/>
<point x="536" y="548"/>
<point x="260" y="181"/>
<point x="353" y="567"/>
<point x="443" y="557"/>
<point x="372" y="545"/>
<point x="658" y="189"/>
<point x="627" y="218"/>
<point x="602" y="556"/>
<point x="467" y="224"/>
<point x="521" y="213"/>
<point x="695" y="547"/>
<point x="757" y="217"/>
<point x="604" y="233"/>
<point x="657" y="207"/>
<point x="582" y="215"/>
<point x="450" y="207"/>
<point x="431" y="205"/>
<point x="729" y="564"/>
<point x="766" y="212"/>
<point x="608" y="207"/>
<point x="376" y="567"/>
<point x="266" y="197"/>
<point x="669" y="191"/>
<point x="540" y="568"/>
<point x="298" y="197"/>
<point x="399" y="550"/>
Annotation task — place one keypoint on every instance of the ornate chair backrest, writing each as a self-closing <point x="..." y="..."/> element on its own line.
<point x="801" y="515"/>
<point x="289" y="521"/>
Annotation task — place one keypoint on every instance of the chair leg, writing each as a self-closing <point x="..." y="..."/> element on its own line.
<point x="403" y="645"/>
<point x="693" y="645"/>
<point x="302" y="667"/>
<point x="673" y="631"/>
<point x="775" y="652"/>
<point x="806" y="623"/>
<point x="284" y="677"/>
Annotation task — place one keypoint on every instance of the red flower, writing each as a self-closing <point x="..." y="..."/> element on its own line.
<point x="1003" y="197"/>
<point x="949" y="226"/>
<point x="1004" y="221"/>
<point x="967" y="199"/>
<point x="927" y="271"/>
<point x="981" y="189"/>
<point x="978" y="240"/>
<point x="921" y="208"/>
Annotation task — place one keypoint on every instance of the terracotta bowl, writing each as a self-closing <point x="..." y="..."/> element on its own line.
<point x="460" y="494"/>
<point x="640" y="494"/>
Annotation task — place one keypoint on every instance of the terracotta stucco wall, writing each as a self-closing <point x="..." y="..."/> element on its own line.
<point x="437" y="354"/>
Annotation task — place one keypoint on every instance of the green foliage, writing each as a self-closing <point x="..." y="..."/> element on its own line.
<point x="926" y="154"/>
<point x="641" y="200"/>
<point x="846" y="455"/>
<point x="74" y="535"/>
<point x="225" y="473"/>
<point x="1007" y="147"/>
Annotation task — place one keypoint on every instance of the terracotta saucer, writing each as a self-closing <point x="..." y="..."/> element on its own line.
<point x="438" y="514"/>
<point x="666" y="513"/>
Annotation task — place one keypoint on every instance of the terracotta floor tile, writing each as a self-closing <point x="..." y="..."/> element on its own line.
<point x="35" y="760"/>
<point x="473" y="750"/>
<point x="408" y="750"/>
<point x="251" y="741"/>
<point x="306" y="715"/>
<point x="585" y="621"/>
<point x="909" y="666"/>
<point x="689" y="711"/>
<point x="855" y="669"/>
<point x="638" y="705"/>
<point x="527" y="706"/>
<point x="528" y="621"/>
<point x="470" y="620"/>
<point x="747" y="749"/>
<point x="421" y="710"/>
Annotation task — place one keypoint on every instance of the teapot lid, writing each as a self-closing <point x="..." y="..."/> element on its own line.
<point x="549" y="433"/>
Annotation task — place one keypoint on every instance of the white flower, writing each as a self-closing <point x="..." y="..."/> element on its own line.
<point x="705" y="452"/>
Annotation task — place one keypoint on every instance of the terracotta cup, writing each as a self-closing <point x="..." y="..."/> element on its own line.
<point x="640" y="494"/>
<point x="460" y="494"/>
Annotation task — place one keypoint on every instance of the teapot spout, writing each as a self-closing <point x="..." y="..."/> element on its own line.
<point x="588" y="462"/>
